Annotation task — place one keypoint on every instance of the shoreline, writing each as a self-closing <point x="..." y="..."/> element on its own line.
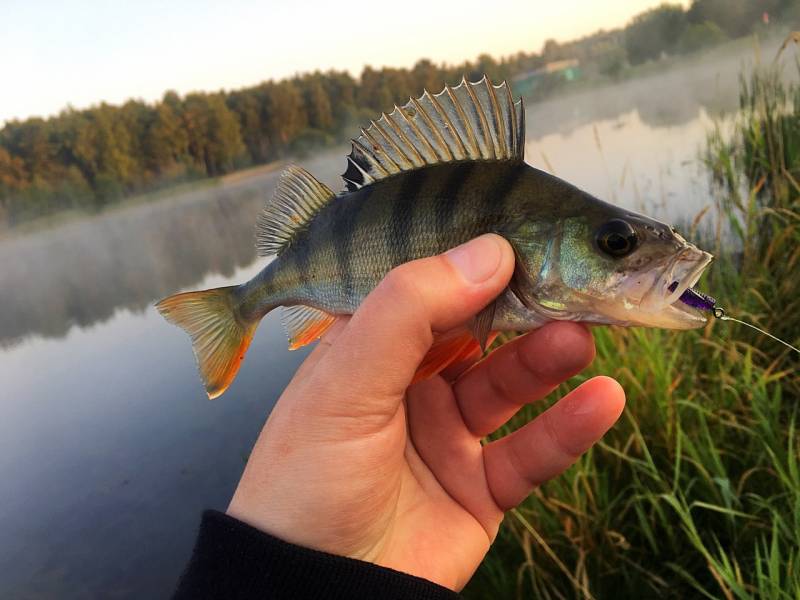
<point x="166" y="194"/>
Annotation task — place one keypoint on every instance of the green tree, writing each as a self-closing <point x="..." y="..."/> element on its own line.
<point x="734" y="17"/>
<point x="77" y="143"/>
<point x="317" y="103"/>
<point x="214" y="138"/>
<point x="12" y="171"/>
<point x="29" y="140"/>
<point x="246" y="105"/>
<point x="654" y="32"/>
<point x="285" y="113"/>
<point x="426" y="76"/>
<point x="701" y="35"/>
<point x="341" y="89"/>
<point x="166" y="142"/>
<point x="116" y="164"/>
<point x="374" y="91"/>
<point x="225" y="145"/>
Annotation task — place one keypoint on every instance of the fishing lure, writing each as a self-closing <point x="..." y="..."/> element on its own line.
<point x="701" y="301"/>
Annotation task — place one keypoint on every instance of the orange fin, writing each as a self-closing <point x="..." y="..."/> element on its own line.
<point x="446" y="350"/>
<point x="220" y="337"/>
<point x="305" y="324"/>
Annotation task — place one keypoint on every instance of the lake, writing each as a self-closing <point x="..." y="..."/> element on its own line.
<point x="109" y="449"/>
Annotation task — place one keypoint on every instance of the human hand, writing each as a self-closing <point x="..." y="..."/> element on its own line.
<point x="353" y="461"/>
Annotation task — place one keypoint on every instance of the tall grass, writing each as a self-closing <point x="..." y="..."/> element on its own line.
<point x="696" y="492"/>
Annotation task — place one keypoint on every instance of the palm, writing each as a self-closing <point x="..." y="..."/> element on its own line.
<point x="443" y="508"/>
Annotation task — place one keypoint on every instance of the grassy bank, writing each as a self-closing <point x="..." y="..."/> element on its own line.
<point x="696" y="492"/>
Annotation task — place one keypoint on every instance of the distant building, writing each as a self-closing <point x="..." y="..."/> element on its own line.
<point x="568" y="69"/>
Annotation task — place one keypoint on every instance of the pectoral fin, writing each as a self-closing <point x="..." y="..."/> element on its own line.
<point x="482" y="324"/>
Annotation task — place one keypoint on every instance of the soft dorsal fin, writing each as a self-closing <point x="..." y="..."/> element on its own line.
<point x="297" y="199"/>
<point x="472" y="121"/>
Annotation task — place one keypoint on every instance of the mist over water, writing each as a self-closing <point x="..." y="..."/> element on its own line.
<point x="109" y="449"/>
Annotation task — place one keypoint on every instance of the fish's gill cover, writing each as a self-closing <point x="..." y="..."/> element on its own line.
<point x="298" y="197"/>
<point x="472" y="121"/>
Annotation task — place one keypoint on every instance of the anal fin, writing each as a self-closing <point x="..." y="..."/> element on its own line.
<point x="305" y="324"/>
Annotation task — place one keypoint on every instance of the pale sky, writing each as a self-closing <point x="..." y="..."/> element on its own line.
<point x="54" y="53"/>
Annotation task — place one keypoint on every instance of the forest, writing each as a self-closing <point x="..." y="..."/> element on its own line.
<point x="89" y="158"/>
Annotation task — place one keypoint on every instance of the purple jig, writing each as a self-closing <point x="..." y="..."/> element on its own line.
<point x="695" y="299"/>
<point x="702" y="301"/>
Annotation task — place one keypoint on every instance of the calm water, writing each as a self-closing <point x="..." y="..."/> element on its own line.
<point x="108" y="448"/>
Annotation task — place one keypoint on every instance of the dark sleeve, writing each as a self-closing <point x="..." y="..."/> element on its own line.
<point x="234" y="561"/>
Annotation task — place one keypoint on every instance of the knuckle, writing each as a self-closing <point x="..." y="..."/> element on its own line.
<point x="531" y="362"/>
<point x="498" y="384"/>
<point x="556" y="440"/>
<point x="517" y="462"/>
<point x="400" y="282"/>
<point x="400" y="290"/>
<point x="402" y="287"/>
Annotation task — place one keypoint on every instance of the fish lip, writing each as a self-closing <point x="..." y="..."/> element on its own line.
<point x="688" y="280"/>
<point x="685" y="269"/>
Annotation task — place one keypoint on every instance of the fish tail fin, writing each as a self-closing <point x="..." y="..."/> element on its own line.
<point x="220" y="336"/>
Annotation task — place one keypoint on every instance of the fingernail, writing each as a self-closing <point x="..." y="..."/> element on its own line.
<point x="478" y="259"/>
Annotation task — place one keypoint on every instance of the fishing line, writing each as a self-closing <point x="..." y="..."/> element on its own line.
<point x="699" y="300"/>
<point x="719" y="313"/>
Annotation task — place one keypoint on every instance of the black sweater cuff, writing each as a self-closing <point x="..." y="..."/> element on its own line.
<point x="232" y="560"/>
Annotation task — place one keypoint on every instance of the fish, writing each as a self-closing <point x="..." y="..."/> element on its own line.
<point x="428" y="176"/>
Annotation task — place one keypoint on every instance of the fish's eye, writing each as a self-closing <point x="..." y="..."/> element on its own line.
<point x="617" y="238"/>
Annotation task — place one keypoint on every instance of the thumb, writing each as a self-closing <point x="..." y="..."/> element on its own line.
<point x="379" y="351"/>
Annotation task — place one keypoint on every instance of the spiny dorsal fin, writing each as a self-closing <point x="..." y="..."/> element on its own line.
<point x="304" y="324"/>
<point x="297" y="199"/>
<point x="472" y="121"/>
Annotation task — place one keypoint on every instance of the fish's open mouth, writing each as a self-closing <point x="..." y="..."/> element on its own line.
<point x="681" y="274"/>
<point x="678" y="287"/>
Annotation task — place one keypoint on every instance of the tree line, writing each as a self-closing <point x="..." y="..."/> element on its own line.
<point x="92" y="157"/>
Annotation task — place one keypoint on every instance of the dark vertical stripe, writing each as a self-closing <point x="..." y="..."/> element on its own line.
<point x="499" y="212"/>
<point x="341" y="237"/>
<point x="400" y="242"/>
<point x="508" y="178"/>
<point x="448" y="201"/>
<point x="301" y="255"/>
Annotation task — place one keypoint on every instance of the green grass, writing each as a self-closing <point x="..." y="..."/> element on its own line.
<point x="696" y="492"/>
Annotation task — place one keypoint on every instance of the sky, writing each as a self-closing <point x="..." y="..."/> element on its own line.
<point x="55" y="53"/>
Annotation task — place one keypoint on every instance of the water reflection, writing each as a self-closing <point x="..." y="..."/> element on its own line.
<point x="707" y="84"/>
<point x="81" y="273"/>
